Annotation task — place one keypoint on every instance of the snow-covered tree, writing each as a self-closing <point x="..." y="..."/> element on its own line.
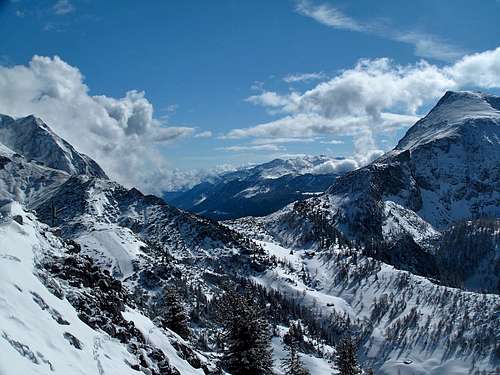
<point x="247" y="344"/>
<point x="173" y="314"/>
<point x="292" y="365"/>
<point x="345" y="360"/>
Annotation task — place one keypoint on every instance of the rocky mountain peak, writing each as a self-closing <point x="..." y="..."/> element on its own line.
<point x="30" y="137"/>
<point x="452" y="115"/>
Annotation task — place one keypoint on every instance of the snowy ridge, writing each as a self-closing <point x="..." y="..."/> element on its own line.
<point x="32" y="138"/>
<point x="452" y="111"/>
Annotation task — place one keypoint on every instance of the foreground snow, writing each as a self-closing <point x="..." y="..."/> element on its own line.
<point x="42" y="334"/>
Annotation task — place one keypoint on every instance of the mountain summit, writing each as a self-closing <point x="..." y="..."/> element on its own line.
<point x="454" y="114"/>
<point x="31" y="137"/>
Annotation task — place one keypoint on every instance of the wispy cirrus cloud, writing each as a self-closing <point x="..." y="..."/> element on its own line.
<point x="203" y="134"/>
<point x="304" y="77"/>
<point x="329" y="16"/>
<point x="425" y="44"/>
<point x="62" y="7"/>
<point x="252" y="148"/>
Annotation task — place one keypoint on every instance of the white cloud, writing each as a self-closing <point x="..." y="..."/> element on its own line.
<point x="333" y="142"/>
<point x="204" y="134"/>
<point x="62" y="7"/>
<point x="252" y="148"/>
<point x="375" y="96"/>
<point x="425" y="45"/>
<point x="336" y="166"/>
<point x="343" y="165"/>
<point x="260" y="141"/>
<point x="303" y="77"/>
<point x="479" y="69"/>
<point x="328" y="16"/>
<point x="120" y="134"/>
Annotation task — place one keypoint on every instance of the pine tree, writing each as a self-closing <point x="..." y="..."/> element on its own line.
<point x="369" y="371"/>
<point x="174" y="315"/>
<point x="345" y="360"/>
<point x="292" y="365"/>
<point x="247" y="342"/>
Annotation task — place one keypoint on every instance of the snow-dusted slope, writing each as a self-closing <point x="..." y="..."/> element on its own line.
<point x="25" y="181"/>
<point x="41" y="332"/>
<point x="32" y="138"/>
<point x="407" y="324"/>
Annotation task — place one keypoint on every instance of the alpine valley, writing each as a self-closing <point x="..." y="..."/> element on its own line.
<point x="402" y="255"/>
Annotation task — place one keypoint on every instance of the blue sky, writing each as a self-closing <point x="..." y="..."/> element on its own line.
<point x="218" y="66"/>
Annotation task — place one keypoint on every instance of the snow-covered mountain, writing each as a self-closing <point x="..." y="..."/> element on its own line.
<point x="84" y="261"/>
<point x="32" y="138"/>
<point x="261" y="189"/>
<point x="446" y="169"/>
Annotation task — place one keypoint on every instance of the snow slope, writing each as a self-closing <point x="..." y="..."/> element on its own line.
<point x="41" y="333"/>
<point x="408" y="324"/>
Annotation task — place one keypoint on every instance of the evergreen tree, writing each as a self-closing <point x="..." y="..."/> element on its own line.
<point x="247" y="342"/>
<point x="345" y="360"/>
<point x="173" y="315"/>
<point x="292" y="365"/>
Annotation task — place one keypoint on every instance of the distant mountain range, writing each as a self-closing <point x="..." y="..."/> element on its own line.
<point x="259" y="190"/>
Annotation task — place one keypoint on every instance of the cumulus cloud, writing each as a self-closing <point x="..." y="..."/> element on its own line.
<point x="336" y="166"/>
<point x="344" y="165"/>
<point x="121" y="134"/>
<point x="376" y="95"/>
<point x="425" y="45"/>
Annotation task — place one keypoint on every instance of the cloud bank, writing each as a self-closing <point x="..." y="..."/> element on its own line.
<point x="375" y="96"/>
<point x="121" y="134"/>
